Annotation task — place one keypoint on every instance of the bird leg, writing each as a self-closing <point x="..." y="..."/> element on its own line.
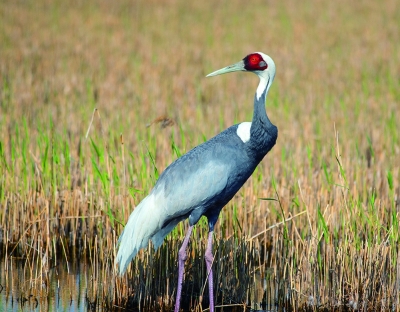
<point x="209" y="260"/>
<point x="181" y="267"/>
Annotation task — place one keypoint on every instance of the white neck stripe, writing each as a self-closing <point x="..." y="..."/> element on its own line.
<point x="264" y="83"/>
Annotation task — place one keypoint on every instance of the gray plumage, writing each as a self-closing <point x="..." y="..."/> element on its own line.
<point x="202" y="181"/>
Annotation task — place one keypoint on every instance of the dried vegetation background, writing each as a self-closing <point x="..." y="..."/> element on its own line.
<point x="317" y="226"/>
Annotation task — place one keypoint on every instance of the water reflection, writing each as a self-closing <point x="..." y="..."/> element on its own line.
<point x="25" y="287"/>
<point x="150" y="285"/>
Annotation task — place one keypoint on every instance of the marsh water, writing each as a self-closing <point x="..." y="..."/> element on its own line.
<point x="67" y="287"/>
<point x="65" y="290"/>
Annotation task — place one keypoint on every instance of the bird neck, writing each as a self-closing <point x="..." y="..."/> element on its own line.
<point x="260" y="118"/>
<point x="263" y="133"/>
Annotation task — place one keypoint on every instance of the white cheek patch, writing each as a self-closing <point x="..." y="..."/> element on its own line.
<point x="243" y="131"/>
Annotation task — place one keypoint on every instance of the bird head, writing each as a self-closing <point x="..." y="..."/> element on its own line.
<point x="259" y="63"/>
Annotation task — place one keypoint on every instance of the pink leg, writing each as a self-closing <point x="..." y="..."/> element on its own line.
<point x="209" y="260"/>
<point x="181" y="267"/>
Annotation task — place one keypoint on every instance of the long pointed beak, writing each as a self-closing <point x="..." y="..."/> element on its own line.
<point x="231" y="68"/>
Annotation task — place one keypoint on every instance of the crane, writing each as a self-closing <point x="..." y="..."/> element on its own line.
<point x="201" y="182"/>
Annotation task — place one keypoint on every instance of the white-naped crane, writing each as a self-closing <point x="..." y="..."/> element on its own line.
<point x="204" y="180"/>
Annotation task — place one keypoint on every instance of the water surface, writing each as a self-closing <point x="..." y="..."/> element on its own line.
<point x="25" y="288"/>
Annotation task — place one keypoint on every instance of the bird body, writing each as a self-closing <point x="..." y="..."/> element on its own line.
<point x="204" y="180"/>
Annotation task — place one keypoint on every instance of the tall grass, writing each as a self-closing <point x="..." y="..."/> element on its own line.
<point x="96" y="99"/>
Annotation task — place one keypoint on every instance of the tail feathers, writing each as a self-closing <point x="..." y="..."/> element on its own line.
<point x="143" y="223"/>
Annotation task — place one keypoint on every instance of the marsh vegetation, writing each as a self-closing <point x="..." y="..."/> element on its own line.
<point x="98" y="97"/>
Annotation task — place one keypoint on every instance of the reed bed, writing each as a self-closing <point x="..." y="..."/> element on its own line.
<point x="97" y="98"/>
